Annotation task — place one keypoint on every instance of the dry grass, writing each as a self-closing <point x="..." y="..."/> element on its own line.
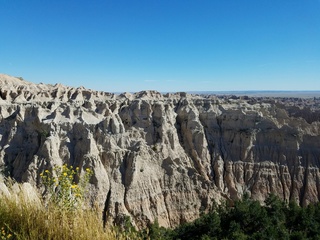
<point x="21" y="218"/>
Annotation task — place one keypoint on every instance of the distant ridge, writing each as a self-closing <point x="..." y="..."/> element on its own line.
<point x="263" y="93"/>
<point x="8" y="82"/>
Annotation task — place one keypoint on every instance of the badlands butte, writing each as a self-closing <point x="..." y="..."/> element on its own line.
<point x="162" y="156"/>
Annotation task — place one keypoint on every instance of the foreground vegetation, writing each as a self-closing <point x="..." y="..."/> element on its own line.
<point x="248" y="219"/>
<point x="61" y="215"/>
<point x="22" y="220"/>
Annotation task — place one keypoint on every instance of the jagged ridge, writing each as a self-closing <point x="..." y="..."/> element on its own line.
<point x="162" y="156"/>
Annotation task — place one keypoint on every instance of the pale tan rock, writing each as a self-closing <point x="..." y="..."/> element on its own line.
<point x="165" y="157"/>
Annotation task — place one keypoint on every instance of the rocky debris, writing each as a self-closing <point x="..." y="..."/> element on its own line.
<point x="166" y="157"/>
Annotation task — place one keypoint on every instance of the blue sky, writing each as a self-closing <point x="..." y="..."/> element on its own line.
<point x="181" y="45"/>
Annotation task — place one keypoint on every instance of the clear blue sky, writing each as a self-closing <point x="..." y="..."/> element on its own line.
<point x="164" y="45"/>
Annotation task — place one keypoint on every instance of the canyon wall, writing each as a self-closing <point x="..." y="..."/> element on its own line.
<point x="164" y="156"/>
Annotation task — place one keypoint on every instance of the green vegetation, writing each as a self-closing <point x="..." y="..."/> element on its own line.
<point x="247" y="219"/>
<point x="62" y="215"/>
<point x="62" y="189"/>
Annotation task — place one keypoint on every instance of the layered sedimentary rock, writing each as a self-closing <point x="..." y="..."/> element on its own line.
<point x="162" y="156"/>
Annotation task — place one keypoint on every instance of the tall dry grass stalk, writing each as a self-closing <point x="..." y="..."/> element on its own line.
<point x="22" y="218"/>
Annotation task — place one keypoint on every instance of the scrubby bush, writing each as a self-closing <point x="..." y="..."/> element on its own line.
<point x="61" y="187"/>
<point x="248" y="219"/>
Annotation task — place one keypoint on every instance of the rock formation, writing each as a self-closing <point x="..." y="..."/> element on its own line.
<point x="162" y="156"/>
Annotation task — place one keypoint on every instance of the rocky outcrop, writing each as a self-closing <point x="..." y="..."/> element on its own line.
<point x="162" y="156"/>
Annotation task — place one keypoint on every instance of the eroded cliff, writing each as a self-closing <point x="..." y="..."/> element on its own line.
<point x="162" y="156"/>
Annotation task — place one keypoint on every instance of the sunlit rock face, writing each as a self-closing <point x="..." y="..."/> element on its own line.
<point x="165" y="157"/>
